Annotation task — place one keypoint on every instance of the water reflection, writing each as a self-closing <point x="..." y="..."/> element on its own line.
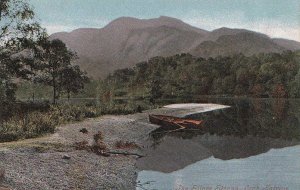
<point x="250" y="127"/>
<point x="278" y="169"/>
<point x="275" y="118"/>
<point x="174" y="153"/>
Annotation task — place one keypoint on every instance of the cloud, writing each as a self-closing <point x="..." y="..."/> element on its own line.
<point x="273" y="28"/>
<point x="53" y="28"/>
<point x="70" y="25"/>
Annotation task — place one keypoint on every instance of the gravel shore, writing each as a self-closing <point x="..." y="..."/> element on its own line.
<point x="52" y="162"/>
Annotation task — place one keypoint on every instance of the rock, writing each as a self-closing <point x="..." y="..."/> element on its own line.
<point x="66" y="157"/>
<point x="84" y="131"/>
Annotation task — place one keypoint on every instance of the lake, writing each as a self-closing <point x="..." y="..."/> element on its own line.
<point x="253" y="145"/>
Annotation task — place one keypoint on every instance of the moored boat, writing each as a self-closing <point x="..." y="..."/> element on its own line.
<point x="170" y="122"/>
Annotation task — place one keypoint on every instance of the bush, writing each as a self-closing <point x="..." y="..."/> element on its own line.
<point x="126" y="145"/>
<point x="28" y="120"/>
<point x="82" y="145"/>
<point x="98" y="147"/>
<point x="31" y="125"/>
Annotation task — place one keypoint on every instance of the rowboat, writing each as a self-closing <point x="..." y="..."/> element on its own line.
<point x="170" y="122"/>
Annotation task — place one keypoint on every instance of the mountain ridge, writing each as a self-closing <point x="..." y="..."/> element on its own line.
<point x="126" y="41"/>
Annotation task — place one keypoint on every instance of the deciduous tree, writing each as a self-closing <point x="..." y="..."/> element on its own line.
<point x="19" y="32"/>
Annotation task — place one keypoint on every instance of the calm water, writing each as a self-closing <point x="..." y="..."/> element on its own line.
<point x="255" y="144"/>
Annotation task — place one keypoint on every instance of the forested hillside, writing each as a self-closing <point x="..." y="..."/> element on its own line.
<point x="264" y="75"/>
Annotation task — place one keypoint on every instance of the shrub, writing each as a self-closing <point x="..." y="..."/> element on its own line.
<point x="28" y="120"/>
<point x="126" y="145"/>
<point x="82" y="145"/>
<point x="98" y="147"/>
<point x="98" y="137"/>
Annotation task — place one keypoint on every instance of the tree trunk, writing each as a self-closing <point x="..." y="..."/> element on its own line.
<point x="54" y="90"/>
<point x="68" y="95"/>
<point x="33" y="97"/>
<point x="59" y="86"/>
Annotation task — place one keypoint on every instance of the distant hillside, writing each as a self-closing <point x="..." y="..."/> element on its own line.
<point x="127" y="41"/>
<point x="185" y="76"/>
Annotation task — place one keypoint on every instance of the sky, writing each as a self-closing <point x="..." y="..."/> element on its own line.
<point x="276" y="18"/>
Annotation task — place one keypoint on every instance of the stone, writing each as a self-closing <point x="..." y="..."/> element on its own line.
<point x="66" y="157"/>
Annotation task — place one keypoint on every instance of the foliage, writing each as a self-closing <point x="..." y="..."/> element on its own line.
<point x="57" y="71"/>
<point x="30" y="120"/>
<point x="19" y="34"/>
<point x="73" y="79"/>
<point x="27" y="54"/>
<point x="182" y="76"/>
<point x="30" y="125"/>
<point x="17" y="20"/>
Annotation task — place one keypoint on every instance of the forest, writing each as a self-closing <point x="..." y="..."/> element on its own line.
<point x="270" y="75"/>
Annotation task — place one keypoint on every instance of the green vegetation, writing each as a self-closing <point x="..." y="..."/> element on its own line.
<point x="26" y="54"/>
<point x="182" y="76"/>
<point x="18" y="32"/>
<point x="55" y="69"/>
<point x="28" y="120"/>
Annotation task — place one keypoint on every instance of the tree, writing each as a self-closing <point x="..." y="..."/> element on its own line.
<point x="279" y="91"/>
<point x="155" y="87"/>
<point x="258" y="90"/>
<point x="57" y="71"/>
<point x="295" y="86"/>
<point x="55" y="62"/>
<point x="18" y="35"/>
<point x="17" y="20"/>
<point x="73" y="79"/>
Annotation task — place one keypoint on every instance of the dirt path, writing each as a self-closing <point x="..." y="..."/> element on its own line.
<point x="52" y="162"/>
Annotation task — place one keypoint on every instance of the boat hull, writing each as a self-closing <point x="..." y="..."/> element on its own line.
<point x="169" y="122"/>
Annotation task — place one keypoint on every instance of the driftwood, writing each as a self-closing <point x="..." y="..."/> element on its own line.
<point x="125" y="153"/>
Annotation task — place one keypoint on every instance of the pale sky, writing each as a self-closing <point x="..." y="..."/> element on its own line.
<point x="277" y="18"/>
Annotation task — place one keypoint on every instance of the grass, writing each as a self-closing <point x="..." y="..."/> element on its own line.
<point x="34" y="120"/>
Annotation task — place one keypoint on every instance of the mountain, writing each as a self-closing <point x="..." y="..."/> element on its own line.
<point x="127" y="41"/>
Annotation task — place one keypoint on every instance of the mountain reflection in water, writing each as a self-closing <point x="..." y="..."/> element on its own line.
<point x="250" y="127"/>
<point x="277" y="169"/>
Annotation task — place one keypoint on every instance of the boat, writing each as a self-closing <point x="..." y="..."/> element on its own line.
<point x="170" y="122"/>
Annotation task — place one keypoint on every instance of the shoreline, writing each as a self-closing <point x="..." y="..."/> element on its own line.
<point x="40" y="164"/>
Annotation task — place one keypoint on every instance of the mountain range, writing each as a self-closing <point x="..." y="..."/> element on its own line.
<point x="126" y="41"/>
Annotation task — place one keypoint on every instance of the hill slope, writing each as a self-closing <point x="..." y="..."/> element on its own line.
<point x="126" y="41"/>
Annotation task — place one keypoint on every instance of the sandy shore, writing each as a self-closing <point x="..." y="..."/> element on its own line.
<point x="40" y="164"/>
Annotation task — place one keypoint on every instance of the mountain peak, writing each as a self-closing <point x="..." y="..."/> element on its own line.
<point x="127" y="40"/>
<point x="130" y="23"/>
<point x="167" y="18"/>
<point x="122" y="19"/>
